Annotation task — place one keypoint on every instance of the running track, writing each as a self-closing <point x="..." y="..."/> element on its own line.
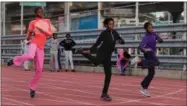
<point x="79" y="89"/>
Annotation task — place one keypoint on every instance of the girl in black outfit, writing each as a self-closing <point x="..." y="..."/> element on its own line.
<point x="108" y="39"/>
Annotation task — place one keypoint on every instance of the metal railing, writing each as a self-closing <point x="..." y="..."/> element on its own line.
<point x="127" y="33"/>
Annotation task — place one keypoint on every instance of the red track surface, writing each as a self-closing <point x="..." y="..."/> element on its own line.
<point x="66" y="88"/>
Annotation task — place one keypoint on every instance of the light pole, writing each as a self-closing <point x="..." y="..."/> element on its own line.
<point x="21" y="21"/>
<point x="136" y="14"/>
<point x="137" y="23"/>
<point x="99" y="5"/>
<point x="185" y="12"/>
<point x="67" y="16"/>
<point x="185" y="34"/>
<point x="4" y="18"/>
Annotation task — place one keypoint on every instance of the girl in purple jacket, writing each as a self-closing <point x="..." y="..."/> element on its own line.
<point x="148" y="47"/>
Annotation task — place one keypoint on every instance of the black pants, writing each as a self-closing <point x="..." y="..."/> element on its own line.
<point x="105" y="59"/>
<point x="147" y="80"/>
<point x="149" y="62"/>
<point x="59" y="61"/>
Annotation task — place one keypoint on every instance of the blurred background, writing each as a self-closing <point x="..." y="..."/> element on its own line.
<point x="82" y="16"/>
<point x="85" y="15"/>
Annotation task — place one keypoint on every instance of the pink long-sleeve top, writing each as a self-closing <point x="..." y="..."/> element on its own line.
<point x="121" y="57"/>
<point x="39" y="38"/>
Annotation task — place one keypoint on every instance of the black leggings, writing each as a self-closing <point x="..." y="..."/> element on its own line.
<point x="59" y="61"/>
<point x="149" y="62"/>
<point x="105" y="59"/>
<point x="147" y="80"/>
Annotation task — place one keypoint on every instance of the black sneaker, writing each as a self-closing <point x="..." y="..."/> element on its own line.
<point x="10" y="62"/>
<point x="72" y="70"/>
<point x="122" y="74"/>
<point x="66" y="70"/>
<point x="106" y="97"/>
<point x="32" y="93"/>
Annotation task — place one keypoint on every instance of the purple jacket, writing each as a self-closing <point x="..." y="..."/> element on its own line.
<point x="149" y="42"/>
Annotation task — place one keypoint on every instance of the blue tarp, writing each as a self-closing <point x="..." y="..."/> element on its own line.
<point x="87" y="22"/>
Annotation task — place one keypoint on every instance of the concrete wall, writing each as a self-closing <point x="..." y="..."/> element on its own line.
<point x="171" y="74"/>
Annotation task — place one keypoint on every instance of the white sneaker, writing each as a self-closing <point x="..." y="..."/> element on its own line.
<point x="134" y="60"/>
<point x="144" y="92"/>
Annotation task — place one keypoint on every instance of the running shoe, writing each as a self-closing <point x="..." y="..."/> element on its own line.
<point x="10" y="62"/>
<point x="106" y="97"/>
<point x="32" y="93"/>
<point x="72" y="70"/>
<point x="79" y="50"/>
<point x="123" y="74"/>
<point x="134" y="60"/>
<point x="145" y="92"/>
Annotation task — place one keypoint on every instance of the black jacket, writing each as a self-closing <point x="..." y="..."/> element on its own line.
<point x="67" y="44"/>
<point x="108" y="39"/>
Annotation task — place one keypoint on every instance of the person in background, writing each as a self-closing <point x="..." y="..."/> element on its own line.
<point x="148" y="47"/>
<point x="54" y="44"/>
<point x="123" y="61"/>
<point x="25" y="46"/>
<point x="68" y="44"/>
<point x="60" y="51"/>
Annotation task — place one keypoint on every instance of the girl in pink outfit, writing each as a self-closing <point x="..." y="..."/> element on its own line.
<point x="123" y="61"/>
<point x="36" y="48"/>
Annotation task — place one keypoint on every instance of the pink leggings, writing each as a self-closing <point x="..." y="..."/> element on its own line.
<point x="37" y="55"/>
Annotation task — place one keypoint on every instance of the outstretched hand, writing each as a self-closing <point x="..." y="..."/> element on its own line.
<point x="147" y="50"/>
<point x="86" y="52"/>
<point x="160" y="41"/>
<point x="27" y="41"/>
<point x="120" y="42"/>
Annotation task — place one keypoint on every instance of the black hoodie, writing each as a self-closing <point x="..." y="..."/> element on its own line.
<point x="67" y="44"/>
<point x="108" y="39"/>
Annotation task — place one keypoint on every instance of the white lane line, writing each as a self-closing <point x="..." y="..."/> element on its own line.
<point x="37" y="98"/>
<point x="51" y="86"/>
<point x="138" y="100"/>
<point x="44" y="93"/>
<point x="80" y="84"/>
<point x="23" y="103"/>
